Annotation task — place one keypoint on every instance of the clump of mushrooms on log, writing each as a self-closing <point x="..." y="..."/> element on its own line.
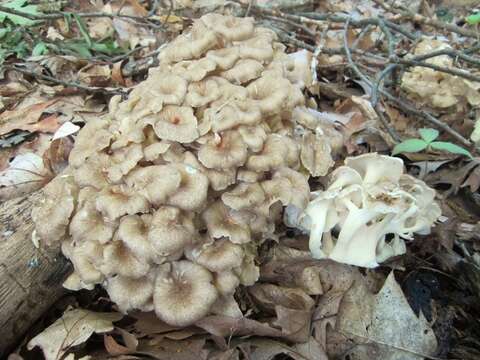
<point x="168" y="197"/>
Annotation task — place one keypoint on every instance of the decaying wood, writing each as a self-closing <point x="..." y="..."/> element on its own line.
<point x="30" y="278"/>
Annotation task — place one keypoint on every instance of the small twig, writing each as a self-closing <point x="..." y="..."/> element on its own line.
<point x="360" y="36"/>
<point x="383" y="74"/>
<point x="85" y="88"/>
<point x="389" y="37"/>
<point x="456" y="72"/>
<point x="60" y="15"/>
<point x="249" y="8"/>
<point x="305" y="29"/>
<point x="452" y="53"/>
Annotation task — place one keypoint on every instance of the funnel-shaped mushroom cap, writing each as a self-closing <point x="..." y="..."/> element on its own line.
<point x="243" y="71"/>
<point x="226" y="282"/>
<point x="190" y="45"/>
<point x="244" y="196"/>
<point x="219" y="179"/>
<point x="175" y="123"/>
<point x="93" y="138"/>
<point x="133" y="231"/>
<point x="160" y="89"/>
<point x="224" y="58"/>
<point x="119" y="259"/>
<point x="93" y="172"/>
<point x="85" y="257"/>
<point x="52" y="217"/>
<point x="217" y="256"/>
<point x="258" y="48"/>
<point x="156" y="183"/>
<point x="183" y="293"/>
<point x="223" y="151"/>
<point x="269" y="93"/>
<point x="230" y="27"/>
<point x="273" y="155"/>
<point x="131" y="293"/>
<point x="88" y="224"/>
<point x="194" y="70"/>
<point x="124" y="160"/>
<point x="170" y="231"/>
<point x="119" y="200"/>
<point x="192" y="192"/>
<point x="202" y="93"/>
<point x="231" y="114"/>
<point x="220" y="224"/>
<point x="253" y="136"/>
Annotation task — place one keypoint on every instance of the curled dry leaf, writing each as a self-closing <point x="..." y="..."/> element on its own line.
<point x="73" y="328"/>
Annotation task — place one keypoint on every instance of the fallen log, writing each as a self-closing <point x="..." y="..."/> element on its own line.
<point x="30" y="278"/>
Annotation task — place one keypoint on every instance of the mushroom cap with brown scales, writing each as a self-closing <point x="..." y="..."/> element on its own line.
<point x="170" y="194"/>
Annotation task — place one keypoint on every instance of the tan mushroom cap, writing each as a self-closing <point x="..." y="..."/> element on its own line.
<point x="131" y="293"/>
<point x="183" y="293"/>
<point x="253" y="136"/>
<point x="88" y="224"/>
<point x="170" y="231"/>
<point x="258" y="48"/>
<point x="161" y="88"/>
<point x="190" y="45"/>
<point x="118" y="200"/>
<point x="220" y="224"/>
<point x="119" y="259"/>
<point x="124" y="160"/>
<point x="218" y="179"/>
<point x="249" y="176"/>
<point x="273" y="155"/>
<point x="269" y="93"/>
<point x="93" y="138"/>
<point x="133" y="231"/>
<point x="194" y="70"/>
<point x="202" y="93"/>
<point x="231" y="114"/>
<point x="244" y="196"/>
<point x="93" y="172"/>
<point x="224" y="58"/>
<point x="156" y="183"/>
<point x="192" y="191"/>
<point x="153" y="151"/>
<point x="299" y="188"/>
<point x="230" y="27"/>
<point x="84" y="258"/>
<point x="217" y="256"/>
<point x="223" y="151"/>
<point x="243" y="71"/>
<point x="175" y="123"/>
<point x="52" y="216"/>
<point x="316" y="154"/>
<point x="276" y="189"/>
<point x="226" y="282"/>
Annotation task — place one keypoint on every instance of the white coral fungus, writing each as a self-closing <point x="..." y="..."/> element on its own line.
<point x="371" y="206"/>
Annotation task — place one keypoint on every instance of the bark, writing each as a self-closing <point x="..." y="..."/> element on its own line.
<point x="30" y="278"/>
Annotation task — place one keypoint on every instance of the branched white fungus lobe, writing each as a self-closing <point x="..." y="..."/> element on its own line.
<point x="368" y="199"/>
<point x="168" y="196"/>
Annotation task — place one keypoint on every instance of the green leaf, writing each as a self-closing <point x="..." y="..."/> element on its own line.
<point x="428" y="134"/>
<point x="40" y="49"/>
<point x="20" y="5"/>
<point x="473" y="19"/>
<point x="452" y="148"/>
<point x="83" y="30"/>
<point x="79" y="48"/>
<point x="410" y="145"/>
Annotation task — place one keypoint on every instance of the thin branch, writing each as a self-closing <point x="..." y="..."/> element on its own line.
<point x="452" y="71"/>
<point x="85" y="88"/>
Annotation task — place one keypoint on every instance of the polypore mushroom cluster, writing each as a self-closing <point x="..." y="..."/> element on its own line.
<point x="367" y="210"/>
<point x="168" y="196"/>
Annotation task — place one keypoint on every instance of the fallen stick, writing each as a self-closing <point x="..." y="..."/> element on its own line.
<point x="30" y="278"/>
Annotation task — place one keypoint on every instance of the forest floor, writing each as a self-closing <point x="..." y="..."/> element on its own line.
<point x="385" y="69"/>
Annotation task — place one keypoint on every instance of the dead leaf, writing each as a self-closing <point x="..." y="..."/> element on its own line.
<point x="73" y="328"/>
<point x="384" y="324"/>
<point x="23" y="118"/>
<point x="160" y="348"/>
<point x="228" y="326"/>
<point x="113" y="347"/>
<point x="265" y="349"/>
